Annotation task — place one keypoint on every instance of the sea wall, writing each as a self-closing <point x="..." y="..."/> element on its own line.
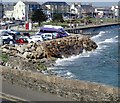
<point x="56" y="48"/>
<point x="73" y="89"/>
<point x="33" y="55"/>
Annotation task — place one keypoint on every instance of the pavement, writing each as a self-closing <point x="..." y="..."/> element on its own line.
<point x="14" y="93"/>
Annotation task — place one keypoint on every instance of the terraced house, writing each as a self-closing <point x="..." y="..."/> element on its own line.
<point x="57" y="7"/>
<point x="23" y="9"/>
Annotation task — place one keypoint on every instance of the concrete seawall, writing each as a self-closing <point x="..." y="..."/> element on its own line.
<point x="73" y="89"/>
<point x="77" y="30"/>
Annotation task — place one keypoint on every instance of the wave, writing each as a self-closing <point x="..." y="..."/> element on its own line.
<point x="65" y="74"/>
<point x="99" y="35"/>
<point x="67" y="61"/>
<point x="110" y="40"/>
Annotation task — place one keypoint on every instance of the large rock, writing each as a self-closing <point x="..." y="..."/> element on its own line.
<point x="57" y="48"/>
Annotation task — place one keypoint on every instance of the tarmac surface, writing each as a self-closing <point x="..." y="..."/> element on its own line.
<point x="14" y="92"/>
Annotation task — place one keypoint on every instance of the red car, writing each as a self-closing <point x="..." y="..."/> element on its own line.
<point x="21" y="40"/>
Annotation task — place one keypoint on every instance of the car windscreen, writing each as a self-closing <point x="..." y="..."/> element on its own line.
<point x="47" y="31"/>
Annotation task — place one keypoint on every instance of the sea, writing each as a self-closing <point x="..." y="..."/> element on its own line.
<point x="100" y="65"/>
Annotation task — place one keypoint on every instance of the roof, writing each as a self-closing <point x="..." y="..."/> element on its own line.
<point x="9" y="8"/>
<point x="55" y="3"/>
<point x="86" y="6"/>
<point x="44" y="7"/>
<point x="1" y="4"/>
<point x="48" y="29"/>
<point x="29" y="2"/>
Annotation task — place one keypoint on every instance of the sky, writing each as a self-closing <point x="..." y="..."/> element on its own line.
<point x="67" y="0"/>
<point x="95" y="3"/>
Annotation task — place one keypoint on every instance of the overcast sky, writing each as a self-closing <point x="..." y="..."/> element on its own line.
<point x="66" y="0"/>
<point x="85" y="0"/>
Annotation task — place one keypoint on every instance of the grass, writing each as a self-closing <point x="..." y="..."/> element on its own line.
<point x="4" y="57"/>
<point x="64" y="24"/>
<point x="41" y="67"/>
<point x="79" y="21"/>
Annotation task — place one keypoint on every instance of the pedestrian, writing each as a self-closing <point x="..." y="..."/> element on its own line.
<point x="72" y="25"/>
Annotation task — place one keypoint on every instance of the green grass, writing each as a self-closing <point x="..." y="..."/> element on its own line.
<point x="66" y="22"/>
<point x="41" y="67"/>
<point x="4" y="57"/>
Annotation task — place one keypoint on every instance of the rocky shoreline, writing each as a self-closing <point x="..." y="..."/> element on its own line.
<point x="24" y="65"/>
<point x="39" y="56"/>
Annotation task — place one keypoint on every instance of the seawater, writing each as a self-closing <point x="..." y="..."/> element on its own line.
<point x="100" y="65"/>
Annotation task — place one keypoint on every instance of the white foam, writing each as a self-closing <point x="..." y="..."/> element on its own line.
<point x="99" y="35"/>
<point x="67" y="61"/>
<point x="110" y="40"/>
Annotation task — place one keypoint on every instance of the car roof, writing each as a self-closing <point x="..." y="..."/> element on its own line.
<point x="52" y="26"/>
<point x="48" y="29"/>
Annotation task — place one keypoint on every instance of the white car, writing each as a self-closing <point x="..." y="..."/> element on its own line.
<point x="47" y="36"/>
<point x="4" y="35"/>
<point x="36" y="38"/>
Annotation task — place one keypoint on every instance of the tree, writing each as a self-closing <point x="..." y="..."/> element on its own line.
<point x="58" y="18"/>
<point x="38" y="16"/>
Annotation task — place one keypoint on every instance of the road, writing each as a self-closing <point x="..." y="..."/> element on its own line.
<point x="14" y="92"/>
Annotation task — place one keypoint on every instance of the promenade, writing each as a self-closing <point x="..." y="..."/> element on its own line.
<point x="70" y="30"/>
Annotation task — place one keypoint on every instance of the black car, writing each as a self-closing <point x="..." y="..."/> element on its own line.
<point x="8" y="41"/>
<point x="26" y="34"/>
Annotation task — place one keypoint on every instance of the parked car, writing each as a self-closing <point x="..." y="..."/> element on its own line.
<point x="8" y="41"/>
<point x="36" y="38"/>
<point x="47" y="36"/>
<point x="56" y="35"/>
<point x="14" y="31"/>
<point x="26" y="34"/>
<point x="22" y="40"/>
<point x="55" y="29"/>
<point x="1" y="41"/>
<point x="6" y="36"/>
<point x="3" y="32"/>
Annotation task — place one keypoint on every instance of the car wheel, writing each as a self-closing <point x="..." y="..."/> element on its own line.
<point x="38" y="41"/>
<point x="31" y="42"/>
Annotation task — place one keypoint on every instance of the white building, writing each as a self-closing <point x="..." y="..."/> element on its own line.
<point x="8" y="11"/>
<point x="101" y="11"/>
<point x="22" y="9"/>
<point x="76" y="8"/>
<point x="115" y="10"/>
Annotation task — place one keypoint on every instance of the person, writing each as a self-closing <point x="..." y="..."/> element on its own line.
<point x="6" y="27"/>
<point x="101" y="21"/>
<point x="72" y="25"/>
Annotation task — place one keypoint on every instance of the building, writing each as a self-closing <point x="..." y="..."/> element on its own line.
<point x="57" y="7"/>
<point x="23" y="9"/>
<point x="8" y="10"/>
<point x="103" y="12"/>
<point x="81" y="10"/>
<point x="115" y="10"/>
<point x="87" y="10"/>
<point x="75" y="9"/>
<point x="1" y="10"/>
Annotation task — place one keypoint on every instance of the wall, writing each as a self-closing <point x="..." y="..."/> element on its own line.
<point x="73" y="89"/>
